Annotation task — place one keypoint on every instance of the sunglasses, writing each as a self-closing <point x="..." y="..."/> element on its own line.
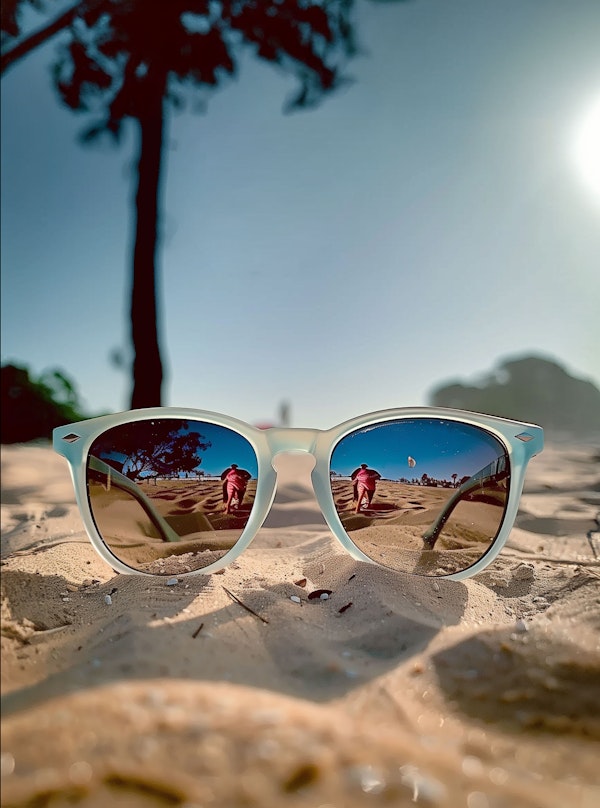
<point x="428" y="491"/>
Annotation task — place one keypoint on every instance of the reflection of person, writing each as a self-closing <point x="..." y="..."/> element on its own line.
<point x="235" y="481"/>
<point x="364" y="482"/>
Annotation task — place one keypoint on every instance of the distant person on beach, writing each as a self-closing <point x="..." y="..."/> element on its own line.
<point x="235" y="481"/>
<point x="364" y="482"/>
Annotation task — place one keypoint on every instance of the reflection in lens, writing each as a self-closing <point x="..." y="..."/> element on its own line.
<point x="437" y="521"/>
<point x="170" y="496"/>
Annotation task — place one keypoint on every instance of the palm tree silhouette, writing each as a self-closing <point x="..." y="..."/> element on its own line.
<point x="136" y="59"/>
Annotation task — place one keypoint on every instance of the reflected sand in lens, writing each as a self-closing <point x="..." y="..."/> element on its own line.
<point x="165" y="495"/>
<point x="391" y="530"/>
<point x="191" y="532"/>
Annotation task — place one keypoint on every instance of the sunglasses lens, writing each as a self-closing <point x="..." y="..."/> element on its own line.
<point x="425" y="496"/>
<point x="170" y="496"/>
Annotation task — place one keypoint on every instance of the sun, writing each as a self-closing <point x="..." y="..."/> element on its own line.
<point x="586" y="146"/>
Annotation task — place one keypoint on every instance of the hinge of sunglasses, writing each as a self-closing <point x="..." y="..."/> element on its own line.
<point x="71" y="437"/>
<point x="525" y="437"/>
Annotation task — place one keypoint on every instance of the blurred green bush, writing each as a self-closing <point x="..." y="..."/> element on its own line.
<point x="32" y="407"/>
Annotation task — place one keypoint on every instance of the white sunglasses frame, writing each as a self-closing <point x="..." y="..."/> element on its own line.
<point x="521" y="440"/>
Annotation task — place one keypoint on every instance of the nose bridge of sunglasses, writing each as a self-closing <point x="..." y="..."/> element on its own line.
<point x="292" y="454"/>
<point x="291" y="440"/>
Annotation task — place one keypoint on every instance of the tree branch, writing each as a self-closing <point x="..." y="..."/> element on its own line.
<point x="38" y="38"/>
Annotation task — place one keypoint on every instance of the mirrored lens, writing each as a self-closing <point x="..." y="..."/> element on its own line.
<point x="170" y="496"/>
<point x="425" y="496"/>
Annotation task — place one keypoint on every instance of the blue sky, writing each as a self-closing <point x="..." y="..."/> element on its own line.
<point x="439" y="448"/>
<point x="423" y="223"/>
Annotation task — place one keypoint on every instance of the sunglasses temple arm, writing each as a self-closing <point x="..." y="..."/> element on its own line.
<point x="123" y="483"/>
<point x="493" y="473"/>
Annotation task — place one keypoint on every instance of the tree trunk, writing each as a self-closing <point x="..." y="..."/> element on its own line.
<point x="147" y="365"/>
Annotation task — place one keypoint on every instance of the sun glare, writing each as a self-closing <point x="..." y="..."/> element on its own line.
<point x="587" y="147"/>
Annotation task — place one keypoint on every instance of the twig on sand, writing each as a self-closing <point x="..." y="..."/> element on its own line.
<point x="52" y="630"/>
<point x="198" y="630"/>
<point x="244" y="606"/>
<point x="594" y="534"/>
<point x="42" y="545"/>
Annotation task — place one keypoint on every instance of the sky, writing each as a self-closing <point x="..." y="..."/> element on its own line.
<point x="433" y="217"/>
<point x="436" y="448"/>
<point x="224" y="447"/>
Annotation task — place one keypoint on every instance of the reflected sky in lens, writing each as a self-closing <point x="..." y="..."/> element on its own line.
<point x="226" y="447"/>
<point x="440" y="449"/>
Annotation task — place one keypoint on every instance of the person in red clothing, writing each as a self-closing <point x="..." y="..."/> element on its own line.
<point x="235" y="481"/>
<point x="364" y="481"/>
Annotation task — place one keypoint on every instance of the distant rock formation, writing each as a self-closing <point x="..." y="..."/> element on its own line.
<point x="529" y="389"/>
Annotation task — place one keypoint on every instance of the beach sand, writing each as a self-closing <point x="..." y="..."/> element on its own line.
<point x="223" y="691"/>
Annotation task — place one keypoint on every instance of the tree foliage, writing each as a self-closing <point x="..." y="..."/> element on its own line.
<point x="33" y="406"/>
<point x="119" y="53"/>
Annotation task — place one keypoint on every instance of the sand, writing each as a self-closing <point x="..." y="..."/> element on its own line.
<point x="394" y="691"/>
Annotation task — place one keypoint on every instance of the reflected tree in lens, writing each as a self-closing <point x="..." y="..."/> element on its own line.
<point x="156" y="449"/>
<point x="437" y="521"/>
<point x="158" y="496"/>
